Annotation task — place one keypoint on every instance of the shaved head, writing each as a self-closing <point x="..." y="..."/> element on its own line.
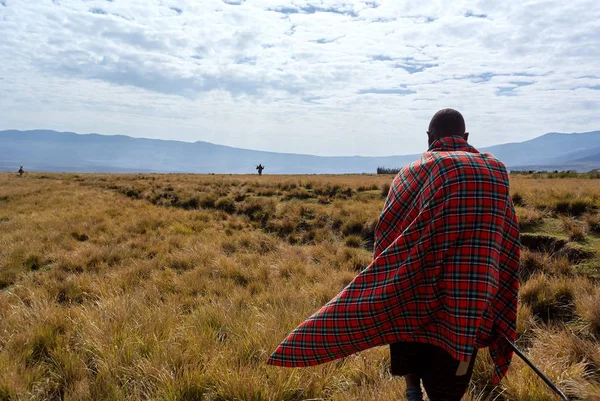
<point x="447" y="122"/>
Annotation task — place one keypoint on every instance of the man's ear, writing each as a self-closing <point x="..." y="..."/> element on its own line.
<point x="466" y="136"/>
<point x="430" y="138"/>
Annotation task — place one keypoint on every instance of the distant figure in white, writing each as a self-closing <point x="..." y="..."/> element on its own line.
<point x="260" y="169"/>
<point x="21" y="171"/>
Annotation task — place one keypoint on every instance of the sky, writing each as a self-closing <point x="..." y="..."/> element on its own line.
<point x="302" y="76"/>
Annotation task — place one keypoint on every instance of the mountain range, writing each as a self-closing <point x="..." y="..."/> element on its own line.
<point x="43" y="150"/>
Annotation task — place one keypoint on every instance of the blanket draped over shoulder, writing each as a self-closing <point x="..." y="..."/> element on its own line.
<point x="444" y="270"/>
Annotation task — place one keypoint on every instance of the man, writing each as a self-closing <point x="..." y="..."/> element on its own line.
<point x="444" y="277"/>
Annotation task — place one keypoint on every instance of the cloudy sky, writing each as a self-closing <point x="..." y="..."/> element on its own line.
<point x="327" y="77"/>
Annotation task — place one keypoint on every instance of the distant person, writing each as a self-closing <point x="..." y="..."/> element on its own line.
<point x="444" y="277"/>
<point x="260" y="169"/>
<point x="21" y="171"/>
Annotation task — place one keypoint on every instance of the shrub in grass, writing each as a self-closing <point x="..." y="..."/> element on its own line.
<point x="593" y="222"/>
<point x="517" y="199"/>
<point x="368" y="232"/>
<point x="353" y="226"/>
<point x="354" y="259"/>
<point x="581" y="205"/>
<point x="207" y="201"/>
<point x="257" y="209"/>
<point x="561" y="266"/>
<point x="385" y="189"/>
<point x="532" y="263"/>
<point x="190" y="203"/>
<point x="180" y="262"/>
<point x="42" y="342"/>
<point x="134" y="192"/>
<point x="307" y="212"/>
<point x="238" y="277"/>
<point x="528" y="218"/>
<point x="575" y="207"/>
<point x="588" y="308"/>
<point x="540" y="262"/>
<point x="268" y="192"/>
<point x="525" y="323"/>
<point x="33" y="262"/>
<point x="345" y="193"/>
<point x="549" y="299"/>
<point x="226" y="204"/>
<point x="281" y="227"/>
<point x="165" y="198"/>
<point x="323" y="200"/>
<point x="298" y="193"/>
<point x="257" y="242"/>
<point x="353" y="241"/>
<point x="71" y="292"/>
<point x="308" y="237"/>
<point x="333" y="190"/>
<point x="7" y="278"/>
<point x="229" y="247"/>
<point x="562" y="207"/>
<point x="573" y="229"/>
<point x="81" y="237"/>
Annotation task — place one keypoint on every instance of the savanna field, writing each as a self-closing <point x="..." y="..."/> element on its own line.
<point x="178" y="287"/>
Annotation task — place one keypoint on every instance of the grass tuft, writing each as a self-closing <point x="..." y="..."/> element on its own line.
<point x="550" y="299"/>
<point x="353" y="241"/>
<point x="588" y="308"/>
<point x="529" y="218"/>
<point x="385" y="189"/>
<point x="518" y="199"/>
<point x="226" y="204"/>
<point x="573" y="229"/>
<point x="593" y="222"/>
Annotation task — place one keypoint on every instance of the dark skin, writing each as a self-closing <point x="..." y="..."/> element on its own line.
<point x="445" y="123"/>
<point x="412" y="381"/>
<point x="434" y="136"/>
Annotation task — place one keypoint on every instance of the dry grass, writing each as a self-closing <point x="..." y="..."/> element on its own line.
<point x="575" y="230"/>
<point x="593" y="222"/>
<point x="177" y="287"/>
<point x="573" y="196"/>
<point x="529" y="218"/>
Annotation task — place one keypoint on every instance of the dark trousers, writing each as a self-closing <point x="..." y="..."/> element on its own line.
<point x="434" y="366"/>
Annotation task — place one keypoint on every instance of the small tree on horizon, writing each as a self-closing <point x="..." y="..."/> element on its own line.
<point x="384" y="170"/>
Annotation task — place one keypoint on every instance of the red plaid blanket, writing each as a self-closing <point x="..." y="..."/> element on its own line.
<point x="444" y="270"/>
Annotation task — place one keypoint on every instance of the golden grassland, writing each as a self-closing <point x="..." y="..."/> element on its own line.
<point x="178" y="287"/>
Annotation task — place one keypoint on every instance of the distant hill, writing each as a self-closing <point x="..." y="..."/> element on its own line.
<point x="550" y="149"/>
<point x="42" y="150"/>
<point x="69" y="152"/>
<point x="593" y="158"/>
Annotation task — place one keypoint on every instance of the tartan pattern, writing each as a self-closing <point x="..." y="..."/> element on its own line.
<point x="444" y="270"/>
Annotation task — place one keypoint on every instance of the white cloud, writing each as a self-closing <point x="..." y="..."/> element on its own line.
<point x="309" y="76"/>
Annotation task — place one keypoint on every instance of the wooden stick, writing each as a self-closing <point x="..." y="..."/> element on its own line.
<point x="536" y="370"/>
